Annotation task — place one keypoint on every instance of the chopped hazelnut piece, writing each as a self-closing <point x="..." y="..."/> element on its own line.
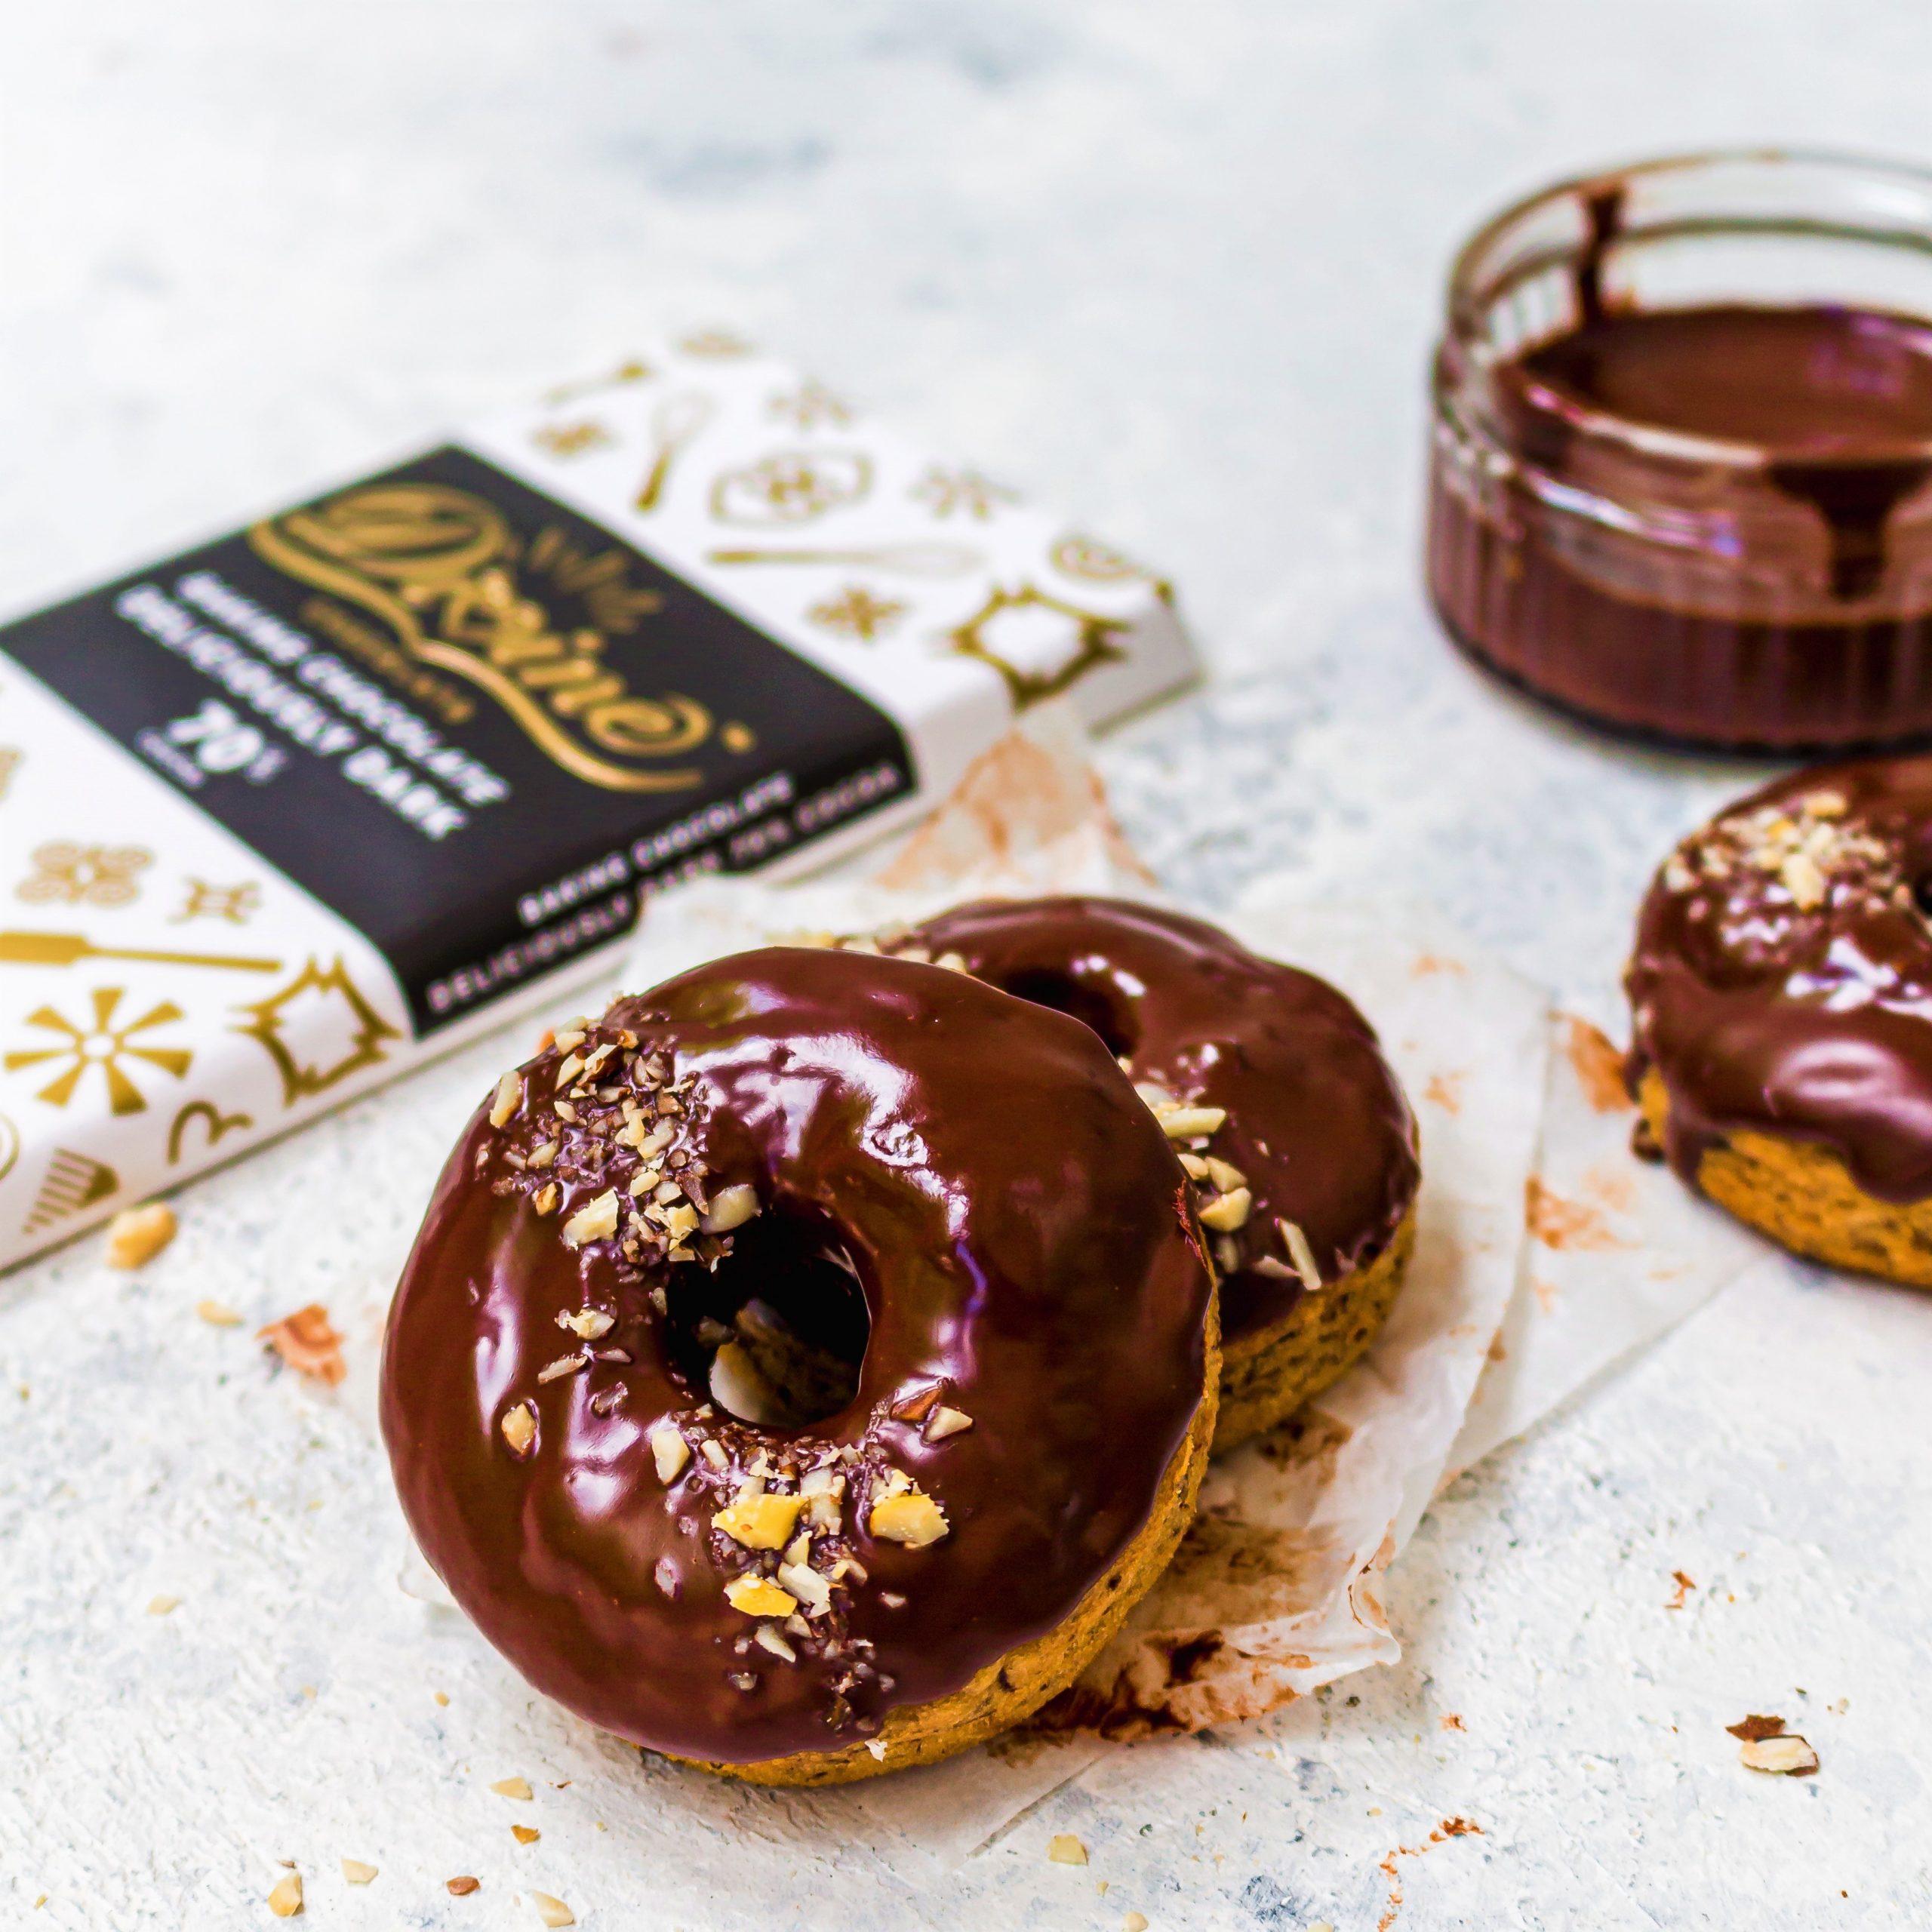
<point x="572" y="1037"/>
<point x="217" y="1316"/>
<point x="1063" y="1848"/>
<point x="546" y="1197"/>
<point x="552" y="1911"/>
<point x="713" y="1452"/>
<point x="356" y="1872"/>
<point x="680" y="1221"/>
<point x="461" y="1888"/>
<point x="519" y="1428"/>
<point x="1191" y="1123"/>
<point x="669" y="1451"/>
<point x="1300" y="1253"/>
<point x="1804" y="880"/>
<point x="595" y="1220"/>
<point x="1226" y="1176"/>
<point x="808" y="1586"/>
<point x="1789" y="1756"/>
<point x="509" y="1098"/>
<point x="876" y="1745"/>
<point x="1137" y="1921"/>
<point x="906" y="1514"/>
<point x="161" y="1606"/>
<point x="553" y="1371"/>
<point x="731" y="1207"/>
<point x="1226" y="1212"/>
<point x="945" y="1422"/>
<point x="136" y="1235"/>
<point x="759" y="1596"/>
<point x="307" y="1341"/>
<point x="285" y="1896"/>
<point x="517" y="1788"/>
<point x="525" y="1833"/>
<point x="760" y="1522"/>
<point x="592" y="1324"/>
<point x="767" y="1638"/>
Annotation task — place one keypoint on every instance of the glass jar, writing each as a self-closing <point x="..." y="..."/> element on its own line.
<point x="1732" y="551"/>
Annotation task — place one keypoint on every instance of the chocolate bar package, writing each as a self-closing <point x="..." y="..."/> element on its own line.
<point x="284" y="814"/>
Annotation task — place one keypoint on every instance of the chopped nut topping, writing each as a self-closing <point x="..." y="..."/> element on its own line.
<point x="546" y="1197"/>
<point x="731" y="1207"/>
<point x="516" y="1788"/>
<point x="664" y="1574"/>
<point x="759" y="1596"/>
<point x="136" y="1235"/>
<point x="1789" y="1756"/>
<point x="1137" y="1921"/>
<point x="591" y="1323"/>
<point x="519" y="1428"/>
<point x="525" y="1833"/>
<point x="217" y="1316"/>
<point x="356" y="1872"/>
<point x="1190" y="1123"/>
<point x="767" y="1637"/>
<point x="876" y="1745"/>
<point x="669" y="1450"/>
<point x="308" y="1343"/>
<point x="509" y="1098"/>
<point x="461" y="1888"/>
<point x="760" y="1522"/>
<point x="1299" y="1254"/>
<point x="1063" y="1848"/>
<point x="285" y="1896"/>
<point x="905" y="1514"/>
<point x="595" y="1221"/>
<point x="553" y="1371"/>
<point x="945" y="1422"/>
<point x="713" y="1452"/>
<point x="572" y="1037"/>
<point x="808" y="1586"/>
<point x="552" y="1911"/>
<point x="1225" y="1175"/>
<point x="1226" y="1212"/>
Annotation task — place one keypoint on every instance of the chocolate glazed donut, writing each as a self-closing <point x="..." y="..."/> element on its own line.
<point x="1291" y="1121"/>
<point x="928" y="1242"/>
<point x="1781" y="994"/>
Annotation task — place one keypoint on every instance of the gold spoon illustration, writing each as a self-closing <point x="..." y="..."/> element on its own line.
<point x="910" y="559"/>
<point x="20" y="948"/>
<point x="678" y="419"/>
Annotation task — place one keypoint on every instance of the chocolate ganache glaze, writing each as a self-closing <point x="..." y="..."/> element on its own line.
<point x="1781" y="977"/>
<point x="1317" y="1124"/>
<point x="958" y="1191"/>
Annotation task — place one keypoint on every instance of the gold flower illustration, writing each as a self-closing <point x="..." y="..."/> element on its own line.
<point x="943" y="491"/>
<point x="339" y="1032"/>
<point x="568" y="439"/>
<point x="857" y="613"/>
<point x="99" y="1043"/>
<point x="235" y="903"/>
<point x="77" y="875"/>
<point x="810" y="404"/>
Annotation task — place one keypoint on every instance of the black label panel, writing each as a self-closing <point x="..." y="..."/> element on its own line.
<point x="478" y="727"/>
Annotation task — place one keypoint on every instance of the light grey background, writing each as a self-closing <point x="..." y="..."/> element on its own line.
<point x="1175" y="267"/>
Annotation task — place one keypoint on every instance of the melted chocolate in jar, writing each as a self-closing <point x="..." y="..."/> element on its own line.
<point x="1316" y="1123"/>
<point x="1781" y="978"/>
<point x="962" y="1197"/>
<point x="1801" y="613"/>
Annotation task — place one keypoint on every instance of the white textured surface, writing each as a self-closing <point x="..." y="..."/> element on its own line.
<point x="1174" y="268"/>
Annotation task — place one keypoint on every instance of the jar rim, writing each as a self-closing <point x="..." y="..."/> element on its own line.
<point x="1468" y="294"/>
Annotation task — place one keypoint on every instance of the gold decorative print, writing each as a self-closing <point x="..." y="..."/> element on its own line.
<point x="811" y="406"/>
<point x="1012" y="626"/>
<point x="792" y="486"/>
<point x="1095" y="562"/>
<point x="23" y="948"/>
<point x="237" y="904"/>
<point x="625" y="373"/>
<point x="570" y="439"/>
<point x="437" y="566"/>
<point x="715" y="345"/>
<point x="72" y="875"/>
<point x="10" y="763"/>
<point x="10" y="1146"/>
<point x="600" y="577"/>
<point x="326" y="1001"/>
<point x="98" y="1043"/>
<point x="72" y="1183"/>
<point x="944" y="491"/>
<point x="856" y="613"/>
<point x="907" y="559"/>
<point x="738" y="738"/>
<point x="677" y="422"/>
<point x="217" y="1124"/>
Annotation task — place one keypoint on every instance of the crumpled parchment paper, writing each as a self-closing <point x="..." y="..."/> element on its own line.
<point x="1544" y="1252"/>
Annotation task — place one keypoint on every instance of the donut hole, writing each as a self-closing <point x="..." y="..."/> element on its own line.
<point x="1087" y="1004"/>
<point x="775" y="1334"/>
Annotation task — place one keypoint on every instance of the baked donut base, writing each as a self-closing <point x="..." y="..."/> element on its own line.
<point x="1011" y="1688"/>
<point x="1265" y="1377"/>
<point x="1803" y="1198"/>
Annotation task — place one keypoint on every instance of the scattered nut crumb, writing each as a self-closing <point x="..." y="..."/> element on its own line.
<point x="1063" y="1848"/>
<point x="1684" y="1587"/>
<point x="1137" y="1921"/>
<point x="307" y="1342"/>
<point x="461" y="1888"/>
<point x="1753" y="1727"/>
<point x="136" y="1235"/>
<point x="513" y="1788"/>
<point x="509" y="1098"/>
<point x="442" y="1697"/>
<point x="1787" y="1754"/>
<point x="519" y="1428"/>
<point x="285" y="1898"/>
<point x="217" y="1316"/>
<point x="552" y="1911"/>
<point x="356" y="1872"/>
<point x="876" y="1745"/>
<point x="525" y="1833"/>
<point x="161" y="1606"/>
